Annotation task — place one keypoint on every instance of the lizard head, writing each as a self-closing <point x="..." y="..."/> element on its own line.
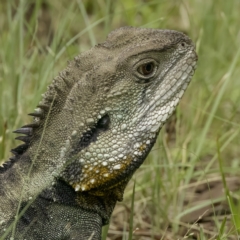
<point x="100" y="117"/>
<point x="137" y="77"/>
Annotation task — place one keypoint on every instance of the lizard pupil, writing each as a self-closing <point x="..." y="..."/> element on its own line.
<point x="146" y="69"/>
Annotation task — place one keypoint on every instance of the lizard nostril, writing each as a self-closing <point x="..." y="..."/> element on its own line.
<point x="183" y="44"/>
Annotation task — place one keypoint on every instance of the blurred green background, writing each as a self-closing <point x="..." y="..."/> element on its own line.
<point x="189" y="185"/>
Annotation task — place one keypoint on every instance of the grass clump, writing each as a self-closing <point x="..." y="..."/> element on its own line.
<point x="188" y="187"/>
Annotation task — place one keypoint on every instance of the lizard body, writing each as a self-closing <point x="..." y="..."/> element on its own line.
<point x="93" y="128"/>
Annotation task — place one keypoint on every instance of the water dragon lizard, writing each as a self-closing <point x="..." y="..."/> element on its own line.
<point x="93" y="128"/>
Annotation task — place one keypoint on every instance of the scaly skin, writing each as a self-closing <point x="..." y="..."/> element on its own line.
<point x="94" y="127"/>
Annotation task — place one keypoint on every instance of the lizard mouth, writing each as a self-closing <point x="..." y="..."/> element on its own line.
<point x="164" y="103"/>
<point x="175" y="85"/>
<point x="165" y="97"/>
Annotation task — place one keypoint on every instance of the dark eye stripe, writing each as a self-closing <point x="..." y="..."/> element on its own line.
<point x="92" y="134"/>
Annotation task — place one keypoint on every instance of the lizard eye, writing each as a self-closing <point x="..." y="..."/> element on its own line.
<point x="146" y="69"/>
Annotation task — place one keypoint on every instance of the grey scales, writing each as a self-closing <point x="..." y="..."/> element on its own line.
<point x="93" y="128"/>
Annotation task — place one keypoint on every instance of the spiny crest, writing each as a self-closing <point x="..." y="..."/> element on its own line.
<point x="57" y="91"/>
<point x="59" y="88"/>
<point x="8" y="164"/>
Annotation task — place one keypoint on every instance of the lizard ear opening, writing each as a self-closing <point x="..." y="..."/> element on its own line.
<point x="104" y="122"/>
<point x="92" y="134"/>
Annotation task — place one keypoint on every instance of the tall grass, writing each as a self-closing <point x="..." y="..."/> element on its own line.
<point x="38" y="37"/>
